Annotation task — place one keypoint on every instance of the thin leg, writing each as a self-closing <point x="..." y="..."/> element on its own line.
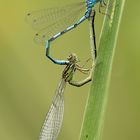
<point x="61" y="62"/>
<point x="83" y="70"/>
<point x="81" y="67"/>
<point x="81" y="83"/>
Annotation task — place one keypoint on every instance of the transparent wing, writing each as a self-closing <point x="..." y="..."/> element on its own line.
<point x="51" y="21"/>
<point x="54" y="118"/>
<point x="45" y="17"/>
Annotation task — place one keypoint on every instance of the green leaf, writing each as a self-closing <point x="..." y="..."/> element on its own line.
<point x="97" y="99"/>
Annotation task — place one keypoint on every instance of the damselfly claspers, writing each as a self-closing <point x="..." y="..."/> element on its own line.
<point x="54" y="22"/>
<point x="54" y="118"/>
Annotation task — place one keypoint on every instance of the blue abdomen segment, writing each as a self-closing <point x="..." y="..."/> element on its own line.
<point x="90" y="4"/>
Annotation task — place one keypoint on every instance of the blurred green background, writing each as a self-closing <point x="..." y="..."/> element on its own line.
<point x="28" y="79"/>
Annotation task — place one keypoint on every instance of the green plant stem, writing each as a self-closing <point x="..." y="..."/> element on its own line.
<point x="97" y="99"/>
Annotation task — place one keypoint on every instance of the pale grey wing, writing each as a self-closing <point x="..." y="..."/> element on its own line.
<point x="51" y="21"/>
<point x="45" y="17"/>
<point x="54" y="118"/>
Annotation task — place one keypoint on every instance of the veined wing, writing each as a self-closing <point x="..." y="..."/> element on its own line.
<point x="54" y="118"/>
<point x="45" y="17"/>
<point x="51" y="21"/>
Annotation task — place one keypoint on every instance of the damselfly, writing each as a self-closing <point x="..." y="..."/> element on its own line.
<point x="54" y="118"/>
<point x="54" y="22"/>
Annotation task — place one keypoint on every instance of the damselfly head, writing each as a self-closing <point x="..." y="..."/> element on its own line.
<point x="73" y="58"/>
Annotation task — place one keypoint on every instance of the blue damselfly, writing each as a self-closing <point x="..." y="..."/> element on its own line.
<point x="54" y="22"/>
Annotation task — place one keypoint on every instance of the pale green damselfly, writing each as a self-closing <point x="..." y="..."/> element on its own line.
<point x="54" y="118"/>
